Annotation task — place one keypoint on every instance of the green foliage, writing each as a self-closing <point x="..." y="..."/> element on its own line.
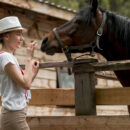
<point x="125" y="9"/>
<point x="105" y="4"/>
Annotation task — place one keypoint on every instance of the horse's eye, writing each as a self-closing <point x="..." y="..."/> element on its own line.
<point x="78" y="21"/>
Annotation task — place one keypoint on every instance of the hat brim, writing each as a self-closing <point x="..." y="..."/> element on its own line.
<point x="13" y="29"/>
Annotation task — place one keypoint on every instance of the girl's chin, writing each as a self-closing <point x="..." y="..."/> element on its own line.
<point x="18" y="46"/>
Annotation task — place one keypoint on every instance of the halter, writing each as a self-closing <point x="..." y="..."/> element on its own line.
<point x="95" y="43"/>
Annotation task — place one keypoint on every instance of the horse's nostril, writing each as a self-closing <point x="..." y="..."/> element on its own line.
<point x="45" y="40"/>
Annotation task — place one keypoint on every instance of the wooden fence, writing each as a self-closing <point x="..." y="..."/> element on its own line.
<point x="84" y="97"/>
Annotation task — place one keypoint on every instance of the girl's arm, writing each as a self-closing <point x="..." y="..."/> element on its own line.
<point x="25" y="80"/>
<point x="31" y="69"/>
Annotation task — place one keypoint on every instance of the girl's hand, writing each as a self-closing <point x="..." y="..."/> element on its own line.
<point x="30" y="49"/>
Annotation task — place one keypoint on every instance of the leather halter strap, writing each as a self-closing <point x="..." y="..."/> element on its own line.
<point x="65" y="48"/>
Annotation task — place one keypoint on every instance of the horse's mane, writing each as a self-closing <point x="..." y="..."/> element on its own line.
<point x="116" y="24"/>
<point x="120" y="25"/>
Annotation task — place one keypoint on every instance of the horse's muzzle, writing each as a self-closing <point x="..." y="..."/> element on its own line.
<point x="44" y="44"/>
<point x="45" y="40"/>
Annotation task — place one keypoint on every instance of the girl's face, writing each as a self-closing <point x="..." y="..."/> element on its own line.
<point x="14" y="39"/>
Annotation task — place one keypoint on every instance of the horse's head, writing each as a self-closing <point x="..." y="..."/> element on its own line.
<point x="82" y="29"/>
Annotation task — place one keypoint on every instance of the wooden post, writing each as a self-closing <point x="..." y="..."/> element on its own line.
<point x="85" y="101"/>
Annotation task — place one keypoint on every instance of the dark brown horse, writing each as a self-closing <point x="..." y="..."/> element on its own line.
<point x="93" y="29"/>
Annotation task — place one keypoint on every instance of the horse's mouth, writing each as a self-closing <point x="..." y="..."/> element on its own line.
<point x="48" y="50"/>
<point x="51" y="51"/>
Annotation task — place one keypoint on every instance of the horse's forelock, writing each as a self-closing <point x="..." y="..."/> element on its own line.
<point x="87" y="14"/>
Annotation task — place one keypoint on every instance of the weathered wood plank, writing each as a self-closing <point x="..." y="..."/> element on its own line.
<point x="65" y="97"/>
<point x="63" y="64"/>
<point x="89" y="67"/>
<point x="85" y="102"/>
<point x="105" y="76"/>
<point x="52" y="97"/>
<point x="40" y="83"/>
<point x="51" y="111"/>
<point x="80" y="123"/>
<point x="85" y="99"/>
<point x="46" y="74"/>
<point x="53" y="64"/>
<point x="102" y="66"/>
<point x="40" y="7"/>
<point x="113" y="96"/>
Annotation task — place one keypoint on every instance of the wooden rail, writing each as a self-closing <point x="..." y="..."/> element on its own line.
<point x="79" y="123"/>
<point x="104" y="66"/>
<point x="99" y="66"/>
<point x="70" y="64"/>
<point x="66" y="97"/>
<point x="109" y="65"/>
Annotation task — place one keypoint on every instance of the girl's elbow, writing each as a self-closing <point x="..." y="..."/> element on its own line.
<point x="27" y="87"/>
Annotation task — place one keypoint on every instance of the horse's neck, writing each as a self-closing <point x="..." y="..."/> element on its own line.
<point x="112" y="49"/>
<point x="115" y="41"/>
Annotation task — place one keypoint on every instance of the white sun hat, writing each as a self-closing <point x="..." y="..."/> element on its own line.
<point x="10" y="23"/>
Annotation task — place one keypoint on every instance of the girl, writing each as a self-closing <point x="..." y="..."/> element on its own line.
<point x="14" y="83"/>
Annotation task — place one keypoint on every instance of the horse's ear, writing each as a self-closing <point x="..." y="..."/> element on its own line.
<point x="94" y="5"/>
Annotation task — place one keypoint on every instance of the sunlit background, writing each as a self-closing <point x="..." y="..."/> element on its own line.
<point x="121" y="7"/>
